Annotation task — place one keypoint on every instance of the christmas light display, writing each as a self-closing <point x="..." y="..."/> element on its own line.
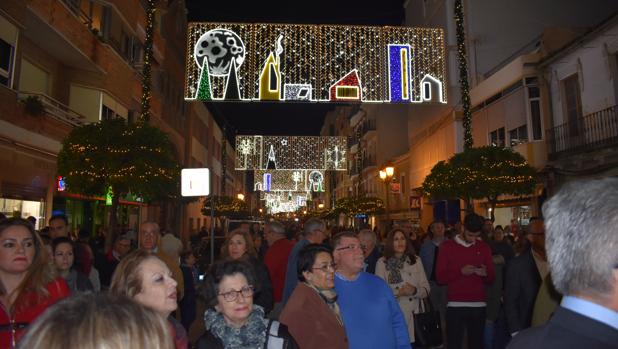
<point x="323" y="63"/>
<point x="289" y="180"/>
<point x="290" y="153"/>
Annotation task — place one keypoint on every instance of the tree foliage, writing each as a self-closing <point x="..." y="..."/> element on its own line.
<point x="359" y="205"/>
<point x="128" y="158"/>
<point x="477" y="173"/>
<point x="226" y="206"/>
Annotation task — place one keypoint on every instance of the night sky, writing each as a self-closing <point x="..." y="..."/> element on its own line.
<point x="287" y="118"/>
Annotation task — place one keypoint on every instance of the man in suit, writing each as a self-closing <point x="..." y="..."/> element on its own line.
<point x="524" y="275"/>
<point x="582" y="241"/>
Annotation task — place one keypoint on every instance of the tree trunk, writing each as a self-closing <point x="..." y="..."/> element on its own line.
<point x="113" y="221"/>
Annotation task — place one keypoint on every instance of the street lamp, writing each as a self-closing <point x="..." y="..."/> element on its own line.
<point x="241" y="196"/>
<point x="385" y="175"/>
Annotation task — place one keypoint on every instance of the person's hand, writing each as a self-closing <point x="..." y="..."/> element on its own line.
<point x="498" y="259"/>
<point x="406" y="290"/>
<point x="481" y="271"/>
<point x="468" y="269"/>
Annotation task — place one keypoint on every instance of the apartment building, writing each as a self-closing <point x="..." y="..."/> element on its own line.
<point x="81" y="62"/>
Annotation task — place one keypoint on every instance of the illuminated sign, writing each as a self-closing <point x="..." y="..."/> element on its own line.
<point x="60" y="185"/>
<point x="195" y="182"/>
<point x="315" y="63"/>
<point x="290" y="153"/>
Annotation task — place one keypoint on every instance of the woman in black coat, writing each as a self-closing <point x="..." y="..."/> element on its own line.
<point x="239" y="246"/>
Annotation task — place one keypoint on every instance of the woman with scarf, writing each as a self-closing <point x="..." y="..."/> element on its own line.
<point x="232" y="321"/>
<point x="404" y="273"/>
<point x="312" y="313"/>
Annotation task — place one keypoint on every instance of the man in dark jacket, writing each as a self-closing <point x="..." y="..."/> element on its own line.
<point x="523" y="278"/>
<point x="582" y="236"/>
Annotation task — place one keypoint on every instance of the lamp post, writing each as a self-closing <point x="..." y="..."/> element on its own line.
<point x="385" y="175"/>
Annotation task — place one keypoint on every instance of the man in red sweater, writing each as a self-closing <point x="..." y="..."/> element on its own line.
<point x="465" y="266"/>
<point x="276" y="260"/>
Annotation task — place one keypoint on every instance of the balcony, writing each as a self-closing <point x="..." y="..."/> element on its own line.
<point x="55" y="109"/>
<point x="353" y="144"/>
<point x="593" y="131"/>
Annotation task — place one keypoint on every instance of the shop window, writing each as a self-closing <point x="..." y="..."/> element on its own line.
<point x="518" y="135"/>
<point x="497" y="137"/>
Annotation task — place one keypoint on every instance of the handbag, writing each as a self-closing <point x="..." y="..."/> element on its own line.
<point x="427" y="325"/>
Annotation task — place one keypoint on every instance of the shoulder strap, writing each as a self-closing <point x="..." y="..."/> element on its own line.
<point x="273" y="341"/>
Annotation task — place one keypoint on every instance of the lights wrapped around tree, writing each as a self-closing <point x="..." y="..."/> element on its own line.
<point x="477" y="173"/>
<point x="147" y="68"/>
<point x="225" y="206"/>
<point x="319" y="63"/>
<point x="463" y="74"/>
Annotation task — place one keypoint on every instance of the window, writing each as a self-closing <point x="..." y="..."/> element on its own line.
<point x="572" y="103"/>
<point x="534" y="103"/>
<point x="496" y="138"/>
<point x="6" y="59"/>
<point x="107" y="113"/>
<point x="518" y="135"/>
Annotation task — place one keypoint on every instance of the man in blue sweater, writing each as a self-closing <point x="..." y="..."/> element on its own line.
<point x="370" y="312"/>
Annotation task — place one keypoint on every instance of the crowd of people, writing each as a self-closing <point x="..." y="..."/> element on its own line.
<point x="552" y="285"/>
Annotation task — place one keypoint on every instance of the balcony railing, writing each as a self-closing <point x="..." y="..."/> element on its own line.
<point x="593" y="131"/>
<point x="56" y="109"/>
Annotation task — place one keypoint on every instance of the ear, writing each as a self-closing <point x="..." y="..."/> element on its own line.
<point x="308" y="276"/>
<point x="218" y="308"/>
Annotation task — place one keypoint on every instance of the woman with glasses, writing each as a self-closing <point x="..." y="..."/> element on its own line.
<point x="404" y="273"/>
<point x="146" y="279"/>
<point x="312" y="313"/>
<point x="239" y="246"/>
<point x="232" y="320"/>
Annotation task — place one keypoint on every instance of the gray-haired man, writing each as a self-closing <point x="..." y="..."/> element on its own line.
<point x="581" y="223"/>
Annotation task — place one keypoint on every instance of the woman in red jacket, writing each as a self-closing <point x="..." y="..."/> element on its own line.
<point x="28" y="284"/>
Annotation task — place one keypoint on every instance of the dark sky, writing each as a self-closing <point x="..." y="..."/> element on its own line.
<point x="288" y="118"/>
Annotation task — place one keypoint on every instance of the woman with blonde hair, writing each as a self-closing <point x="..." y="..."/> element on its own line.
<point x="93" y="321"/>
<point x="403" y="271"/>
<point x="239" y="246"/>
<point x="28" y="283"/>
<point x="146" y="279"/>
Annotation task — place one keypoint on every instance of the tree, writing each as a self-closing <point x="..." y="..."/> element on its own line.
<point x="483" y="172"/>
<point x="113" y="156"/>
<point x="226" y="206"/>
<point x="359" y="205"/>
<point x="463" y="73"/>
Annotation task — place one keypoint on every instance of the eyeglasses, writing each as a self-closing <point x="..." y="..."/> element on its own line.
<point x="231" y="296"/>
<point x="326" y="268"/>
<point x="352" y="247"/>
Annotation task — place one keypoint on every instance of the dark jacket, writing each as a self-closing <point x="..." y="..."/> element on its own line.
<point x="565" y="330"/>
<point x="521" y="287"/>
<point x="209" y="341"/>
<point x="372" y="260"/>
<point x="264" y="294"/>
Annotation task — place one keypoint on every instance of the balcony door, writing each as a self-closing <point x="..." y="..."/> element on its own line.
<point x="572" y="106"/>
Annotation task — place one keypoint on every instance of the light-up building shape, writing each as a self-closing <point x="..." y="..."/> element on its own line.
<point x="399" y="62"/>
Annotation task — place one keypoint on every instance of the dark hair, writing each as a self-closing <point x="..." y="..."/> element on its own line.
<point x="389" y="250"/>
<point x="499" y="227"/>
<point x="185" y="254"/>
<point x="59" y="216"/>
<point x="2" y="216"/>
<point x="473" y="222"/>
<point x="218" y="271"/>
<point x="306" y="258"/>
<point x="31" y="219"/>
<point x="344" y="234"/>
<point x="534" y="218"/>
<point x="62" y="240"/>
